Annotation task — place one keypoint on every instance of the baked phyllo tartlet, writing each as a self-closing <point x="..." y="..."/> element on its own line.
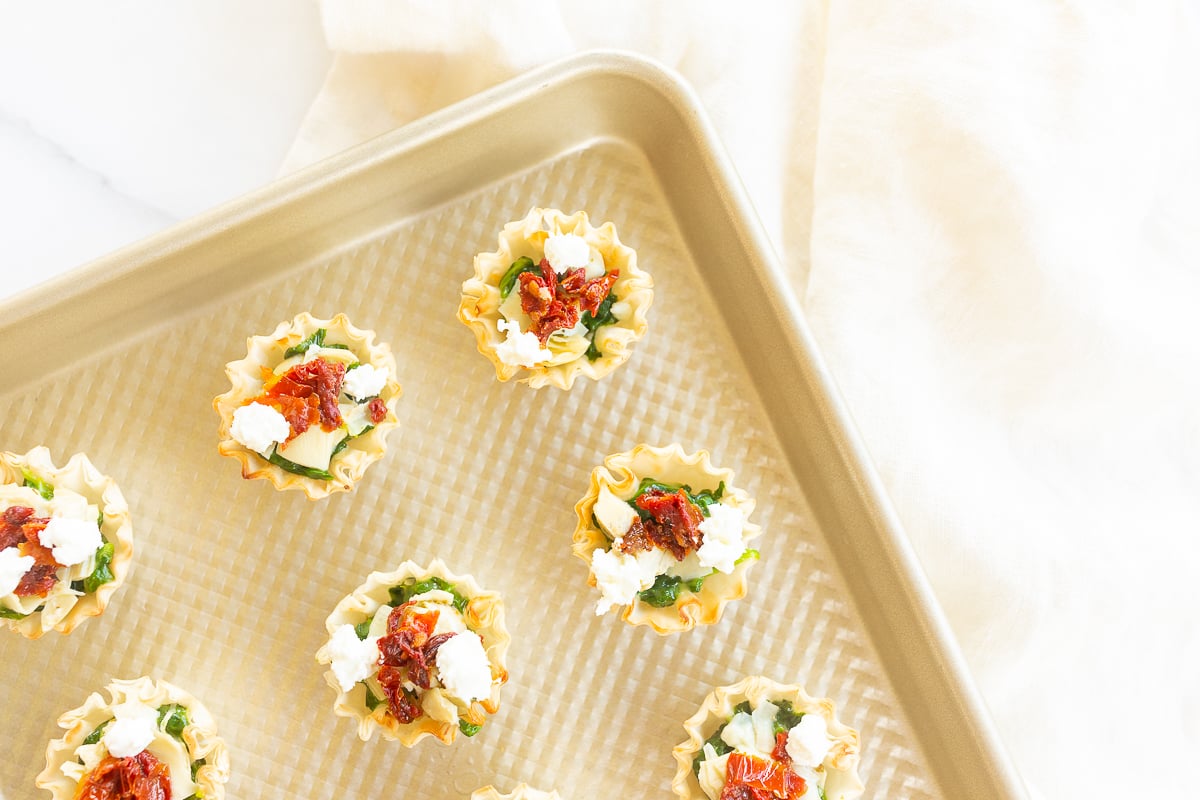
<point x="65" y="541"/>
<point x="761" y="740"/>
<point x="520" y="792"/>
<point x="311" y="405"/>
<point x="148" y="740"/>
<point x="560" y="298"/>
<point x="666" y="537"/>
<point x="417" y="652"/>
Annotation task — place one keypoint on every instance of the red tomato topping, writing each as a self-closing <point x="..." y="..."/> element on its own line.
<point x="553" y="303"/>
<point x="318" y="383"/>
<point x="405" y="655"/>
<point x="763" y="779"/>
<point x="140" y="777"/>
<point x="780" y="752"/>
<point x="674" y="524"/>
<point x="20" y="529"/>
<point x="376" y="411"/>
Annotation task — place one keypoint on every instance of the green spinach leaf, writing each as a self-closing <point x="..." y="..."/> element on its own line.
<point x="173" y="718"/>
<point x="315" y="339"/>
<point x="8" y="613"/>
<point x="593" y="323"/>
<point x="468" y="728"/>
<point x="373" y="702"/>
<point x="787" y="717"/>
<point x="363" y="629"/>
<point x="663" y="593"/>
<point x="95" y="735"/>
<point x="522" y="264"/>
<point x="196" y="765"/>
<point x="102" y="574"/>
<point x="411" y="588"/>
<point x="291" y="466"/>
<point x="45" y="489"/>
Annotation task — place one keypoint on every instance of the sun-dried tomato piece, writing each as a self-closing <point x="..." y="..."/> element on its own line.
<point x="376" y="411"/>
<point x="12" y="524"/>
<point x="317" y="377"/>
<point x="766" y="779"/>
<point x="674" y="523"/>
<point x="38" y="581"/>
<point x="592" y="293"/>
<point x="780" y="752"/>
<point x="139" y="777"/>
<point x="541" y="300"/>
<point x="406" y="654"/>
<point x="42" y="576"/>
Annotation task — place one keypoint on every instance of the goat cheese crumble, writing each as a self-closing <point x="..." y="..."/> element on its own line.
<point x="723" y="544"/>
<point x="13" y="567"/>
<point x="259" y="426"/>
<point x="72" y="541"/>
<point x="520" y="349"/>
<point x="352" y="659"/>
<point x="132" y="730"/>
<point x="364" y="381"/>
<point x="463" y="667"/>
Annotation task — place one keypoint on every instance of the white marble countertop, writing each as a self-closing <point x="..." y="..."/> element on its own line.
<point x="133" y="115"/>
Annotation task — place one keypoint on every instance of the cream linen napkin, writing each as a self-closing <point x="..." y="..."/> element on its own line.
<point x="990" y="213"/>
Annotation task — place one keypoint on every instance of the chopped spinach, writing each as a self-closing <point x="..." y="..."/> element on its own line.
<point x="8" y="613"/>
<point x="196" y="765"/>
<point x="340" y="446"/>
<point x="291" y="466"/>
<point x="355" y="365"/>
<point x="411" y="588"/>
<point x="522" y="264"/>
<point x="100" y="520"/>
<point x="45" y="489"/>
<point x="173" y="718"/>
<point x="315" y="339"/>
<point x="363" y="629"/>
<point x="787" y="717"/>
<point x="102" y="574"/>
<point x="718" y="744"/>
<point x="95" y="735"/>
<point x="593" y="322"/>
<point x="468" y="729"/>
<point x="663" y="593"/>
<point x="702" y="499"/>
<point x="337" y="346"/>
<point x="746" y="556"/>
<point x="373" y="702"/>
<point x="696" y="584"/>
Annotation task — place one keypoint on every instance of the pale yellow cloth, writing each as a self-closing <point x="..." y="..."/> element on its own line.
<point x="990" y="214"/>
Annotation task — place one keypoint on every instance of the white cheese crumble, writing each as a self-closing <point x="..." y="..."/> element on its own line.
<point x="723" y="543"/>
<point x="13" y="567"/>
<point x="615" y="516"/>
<point x="808" y="741"/>
<point x="133" y="729"/>
<point x="620" y="576"/>
<point x="463" y="667"/>
<point x="72" y="541"/>
<point x="364" y="381"/>
<point x="259" y="426"/>
<point x="566" y="251"/>
<point x="520" y="349"/>
<point x="351" y="659"/>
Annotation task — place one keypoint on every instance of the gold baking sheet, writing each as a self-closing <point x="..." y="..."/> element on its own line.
<point x="232" y="580"/>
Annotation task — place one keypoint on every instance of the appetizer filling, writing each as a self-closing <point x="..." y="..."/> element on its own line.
<point x="51" y="549"/>
<point x="312" y="405"/>
<point x="666" y="539"/>
<point x="418" y="657"/>
<point x="139" y="754"/>
<point x="772" y="751"/>
<point x="552" y="309"/>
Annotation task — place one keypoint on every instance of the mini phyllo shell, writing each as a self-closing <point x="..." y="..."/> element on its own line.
<point x="666" y="537"/>
<point x="559" y="299"/>
<point x="66" y="542"/>
<point x="147" y="731"/>
<point x="417" y="652"/>
<point x="311" y="405"/>
<point x="771" y="737"/>
<point x="520" y="792"/>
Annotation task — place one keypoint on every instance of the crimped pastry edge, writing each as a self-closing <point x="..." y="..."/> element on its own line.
<point x="484" y="615"/>
<point x="80" y="475"/>
<point x="841" y="764"/>
<point x="200" y="736"/>
<point x="479" y="307"/>
<point x="348" y="467"/>
<point x="521" y="791"/>
<point x="621" y="473"/>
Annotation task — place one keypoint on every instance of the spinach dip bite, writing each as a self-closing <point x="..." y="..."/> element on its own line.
<point x="761" y="740"/>
<point x="417" y="652"/>
<point x="66" y="542"/>
<point x="520" y="792"/>
<point x="666" y="537"/>
<point x="148" y="740"/>
<point x="559" y="299"/>
<point x="310" y="406"/>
